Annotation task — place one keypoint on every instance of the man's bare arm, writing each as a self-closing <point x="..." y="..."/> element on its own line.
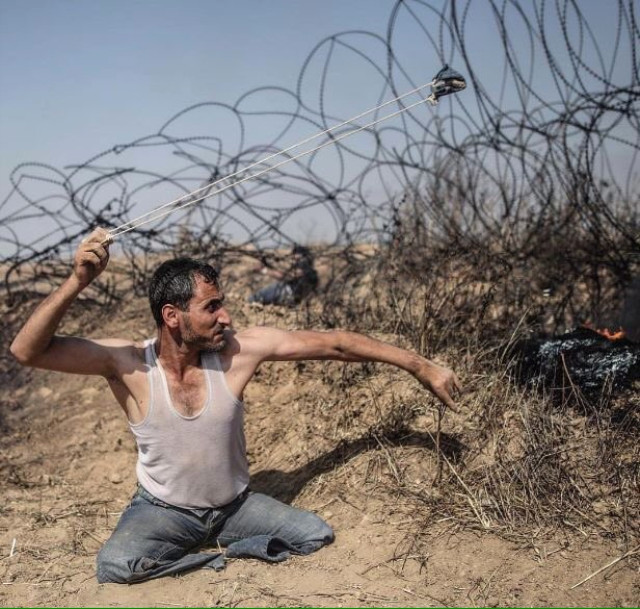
<point x="37" y="344"/>
<point x="270" y="344"/>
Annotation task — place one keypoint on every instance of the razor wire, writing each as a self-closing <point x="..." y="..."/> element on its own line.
<point x="553" y="124"/>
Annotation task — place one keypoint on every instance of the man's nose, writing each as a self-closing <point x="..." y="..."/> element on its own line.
<point x="224" y="319"/>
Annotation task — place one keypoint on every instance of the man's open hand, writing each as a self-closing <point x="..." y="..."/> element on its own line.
<point x="441" y="381"/>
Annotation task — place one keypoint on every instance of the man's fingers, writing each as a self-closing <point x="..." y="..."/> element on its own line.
<point x="450" y="404"/>
<point x="451" y="390"/>
<point x="101" y="252"/>
<point x="445" y="396"/>
<point x="98" y="243"/>
<point x="442" y="382"/>
<point x="95" y="255"/>
<point x="91" y="258"/>
<point x="99" y="236"/>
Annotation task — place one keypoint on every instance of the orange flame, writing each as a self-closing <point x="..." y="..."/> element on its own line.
<point x="608" y="334"/>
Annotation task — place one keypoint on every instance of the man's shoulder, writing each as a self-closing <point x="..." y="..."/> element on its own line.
<point x="246" y="336"/>
<point x="252" y="331"/>
<point x="123" y="350"/>
<point x="257" y="333"/>
<point x="253" y="340"/>
<point x="122" y="343"/>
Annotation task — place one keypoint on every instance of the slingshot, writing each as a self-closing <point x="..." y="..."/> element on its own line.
<point x="445" y="82"/>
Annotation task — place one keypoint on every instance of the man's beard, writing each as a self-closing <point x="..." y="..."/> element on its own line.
<point x="202" y="343"/>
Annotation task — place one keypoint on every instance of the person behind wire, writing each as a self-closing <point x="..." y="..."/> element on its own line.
<point x="292" y="285"/>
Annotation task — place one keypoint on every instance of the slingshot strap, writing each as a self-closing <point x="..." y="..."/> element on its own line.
<point x="447" y="81"/>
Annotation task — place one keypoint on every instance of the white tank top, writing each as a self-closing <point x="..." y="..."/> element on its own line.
<point x="192" y="462"/>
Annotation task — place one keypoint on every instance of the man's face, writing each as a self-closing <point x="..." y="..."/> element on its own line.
<point x="205" y="320"/>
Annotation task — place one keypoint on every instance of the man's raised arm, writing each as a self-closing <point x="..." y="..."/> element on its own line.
<point x="279" y="345"/>
<point x="37" y="345"/>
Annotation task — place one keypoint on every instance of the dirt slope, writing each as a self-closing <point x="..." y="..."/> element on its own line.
<point x="314" y="438"/>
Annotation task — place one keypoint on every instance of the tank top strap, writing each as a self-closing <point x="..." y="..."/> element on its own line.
<point x="154" y="376"/>
<point x="149" y="355"/>
<point x="212" y="361"/>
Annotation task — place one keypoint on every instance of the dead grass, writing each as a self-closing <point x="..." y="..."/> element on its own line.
<point x="512" y="464"/>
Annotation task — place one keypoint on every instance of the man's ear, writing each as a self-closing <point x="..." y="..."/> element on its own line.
<point x="170" y="316"/>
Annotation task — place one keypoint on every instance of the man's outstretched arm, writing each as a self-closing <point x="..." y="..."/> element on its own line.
<point x="270" y="344"/>
<point x="37" y="345"/>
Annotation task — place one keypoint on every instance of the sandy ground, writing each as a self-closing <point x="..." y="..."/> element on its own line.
<point x="67" y="472"/>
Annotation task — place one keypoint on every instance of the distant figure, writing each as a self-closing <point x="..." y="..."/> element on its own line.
<point x="294" y="284"/>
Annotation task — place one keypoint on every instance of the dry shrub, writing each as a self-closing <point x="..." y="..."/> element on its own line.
<point x="512" y="462"/>
<point x="523" y="464"/>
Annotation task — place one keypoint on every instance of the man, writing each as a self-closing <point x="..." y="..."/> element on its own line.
<point x="293" y="285"/>
<point x="182" y="395"/>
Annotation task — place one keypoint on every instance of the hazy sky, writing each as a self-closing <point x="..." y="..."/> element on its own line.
<point x="80" y="76"/>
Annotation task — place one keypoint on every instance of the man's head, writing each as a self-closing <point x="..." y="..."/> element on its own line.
<point x="185" y="296"/>
<point x="301" y="252"/>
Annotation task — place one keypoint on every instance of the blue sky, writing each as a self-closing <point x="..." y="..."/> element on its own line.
<point x="78" y="77"/>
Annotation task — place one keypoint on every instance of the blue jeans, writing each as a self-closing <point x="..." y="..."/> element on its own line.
<point x="279" y="293"/>
<point x="153" y="538"/>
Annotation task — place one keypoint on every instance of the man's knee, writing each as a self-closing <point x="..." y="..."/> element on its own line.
<point x="324" y="531"/>
<point x="318" y="533"/>
<point x="109" y="569"/>
<point x="115" y="568"/>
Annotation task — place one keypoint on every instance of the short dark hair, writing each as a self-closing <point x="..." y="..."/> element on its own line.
<point x="302" y="251"/>
<point x="174" y="281"/>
